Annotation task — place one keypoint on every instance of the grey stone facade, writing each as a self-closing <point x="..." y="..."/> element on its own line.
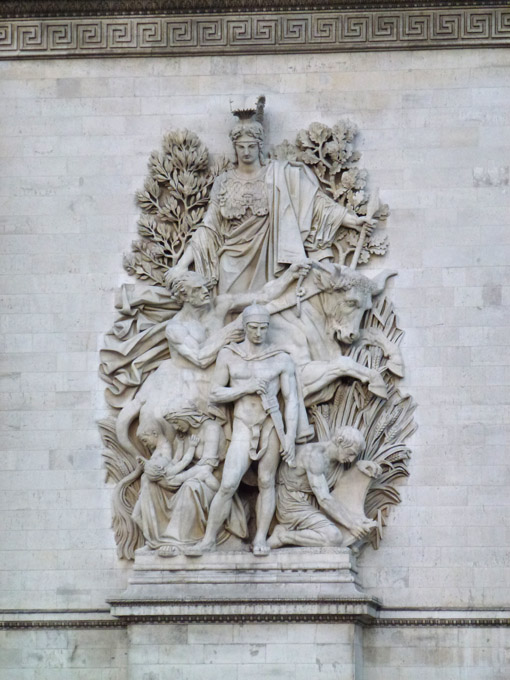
<point x="435" y="137"/>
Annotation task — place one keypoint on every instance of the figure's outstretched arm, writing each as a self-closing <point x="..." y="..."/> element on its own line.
<point x="270" y="291"/>
<point x="334" y="509"/>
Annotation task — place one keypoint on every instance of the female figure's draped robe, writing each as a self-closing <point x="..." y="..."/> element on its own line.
<point x="254" y="227"/>
<point x="178" y="515"/>
<point x="171" y="512"/>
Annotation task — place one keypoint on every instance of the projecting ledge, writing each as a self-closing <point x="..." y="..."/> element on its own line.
<point x="296" y="584"/>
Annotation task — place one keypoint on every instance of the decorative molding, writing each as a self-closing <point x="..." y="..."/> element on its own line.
<point x="60" y="623"/>
<point x="75" y="8"/>
<point x="435" y="623"/>
<point x="442" y="618"/>
<point x="221" y="611"/>
<point x="245" y="33"/>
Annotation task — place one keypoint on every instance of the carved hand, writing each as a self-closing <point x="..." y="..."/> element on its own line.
<point x="363" y="527"/>
<point x="194" y="441"/>
<point x="289" y="452"/>
<point x="257" y="386"/>
<point x="235" y="335"/>
<point x="154" y="471"/>
<point x="369" y="468"/>
<point x="299" y="269"/>
<point x="368" y="223"/>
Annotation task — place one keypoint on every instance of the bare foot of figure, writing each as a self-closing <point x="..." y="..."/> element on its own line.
<point x="168" y="551"/>
<point x="261" y="549"/>
<point x="198" y="549"/>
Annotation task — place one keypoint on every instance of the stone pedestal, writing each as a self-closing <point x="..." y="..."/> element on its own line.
<point x="298" y="584"/>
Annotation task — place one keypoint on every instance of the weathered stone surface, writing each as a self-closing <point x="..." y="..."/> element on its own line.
<point x="68" y="177"/>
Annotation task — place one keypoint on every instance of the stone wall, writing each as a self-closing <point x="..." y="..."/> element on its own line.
<point x="254" y="651"/>
<point x="435" y="137"/>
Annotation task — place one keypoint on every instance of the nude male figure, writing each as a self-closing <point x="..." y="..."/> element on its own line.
<point x="308" y="484"/>
<point x="198" y="331"/>
<point x="251" y="375"/>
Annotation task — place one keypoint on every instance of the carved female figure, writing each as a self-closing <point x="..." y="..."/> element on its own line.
<point x="262" y="217"/>
<point x="179" y="484"/>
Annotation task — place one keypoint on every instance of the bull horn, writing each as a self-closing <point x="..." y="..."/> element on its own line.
<point x="379" y="281"/>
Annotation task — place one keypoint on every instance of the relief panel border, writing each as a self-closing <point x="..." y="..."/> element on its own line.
<point x="279" y="32"/>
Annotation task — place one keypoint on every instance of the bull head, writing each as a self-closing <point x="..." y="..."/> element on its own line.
<point x="348" y="296"/>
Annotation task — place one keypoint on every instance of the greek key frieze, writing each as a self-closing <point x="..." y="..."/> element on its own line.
<point x="275" y="32"/>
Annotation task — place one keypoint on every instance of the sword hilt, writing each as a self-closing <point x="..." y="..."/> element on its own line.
<point x="270" y="404"/>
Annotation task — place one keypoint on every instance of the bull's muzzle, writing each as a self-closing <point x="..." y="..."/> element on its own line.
<point x="347" y="337"/>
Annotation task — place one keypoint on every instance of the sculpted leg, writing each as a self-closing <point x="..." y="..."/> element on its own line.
<point x="237" y="462"/>
<point x="266" y="501"/>
<point x="319" y="374"/>
<point x="308" y="538"/>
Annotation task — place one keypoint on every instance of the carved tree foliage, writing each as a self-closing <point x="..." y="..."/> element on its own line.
<point x="330" y="153"/>
<point x="173" y="202"/>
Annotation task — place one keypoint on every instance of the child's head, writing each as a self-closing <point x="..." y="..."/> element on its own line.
<point x="148" y="431"/>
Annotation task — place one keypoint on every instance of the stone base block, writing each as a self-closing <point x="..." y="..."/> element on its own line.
<point x="299" y="584"/>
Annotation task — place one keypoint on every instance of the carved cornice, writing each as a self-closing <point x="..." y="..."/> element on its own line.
<point x="437" y="623"/>
<point x="76" y="8"/>
<point x="254" y="32"/>
<point x="61" y="623"/>
<point x="246" y="617"/>
<point x="283" y="610"/>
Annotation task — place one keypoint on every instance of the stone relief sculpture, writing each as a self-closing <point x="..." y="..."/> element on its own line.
<point x="253" y="372"/>
<point x="252" y="375"/>
<point x="307" y="512"/>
